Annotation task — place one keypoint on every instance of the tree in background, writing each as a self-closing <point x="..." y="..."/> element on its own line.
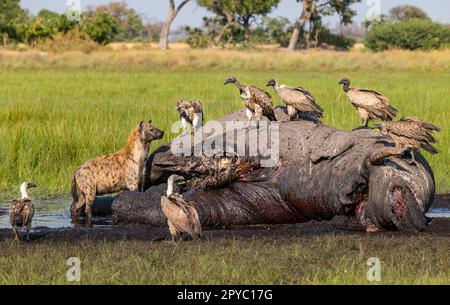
<point x="397" y="14"/>
<point x="45" y="25"/>
<point x="272" y="31"/>
<point x="12" y="18"/>
<point x="235" y="14"/>
<point x="369" y="23"/>
<point x="412" y="34"/>
<point x="152" y="29"/>
<point x="130" y="23"/>
<point x="102" y="27"/>
<point x="407" y="27"/>
<point x="313" y="8"/>
<point x="173" y="12"/>
<point x="406" y="12"/>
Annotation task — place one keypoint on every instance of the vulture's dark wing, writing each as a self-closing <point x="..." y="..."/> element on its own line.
<point x="422" y="123"/>
<point x="20" y="212"/>
<point x="264" y="100"/>
<point x="306" y="93"/>
<point x="373" y="102"/>
<point x="411" y="130"/>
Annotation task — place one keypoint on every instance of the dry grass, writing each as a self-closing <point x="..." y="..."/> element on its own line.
<point x="217" y="59"/>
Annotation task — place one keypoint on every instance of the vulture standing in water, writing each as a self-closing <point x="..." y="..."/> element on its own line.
<point x="297" y="99"/>
<point x="410" y="133"/>
<point x="191" y="112"/>
<point x="21" y="211"/>
<point x="257" y="101"/>
<point x="370" y="104"/>
<point x="182" y="217"/>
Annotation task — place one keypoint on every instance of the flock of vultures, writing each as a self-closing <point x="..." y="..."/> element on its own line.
<point x="123" y="169"/>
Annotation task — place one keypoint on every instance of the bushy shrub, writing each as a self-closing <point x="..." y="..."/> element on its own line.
<point x="339" y="42"/>
<point x="273" y="31"/>
<point x="412" y="34"/>
<point x="101" y="27"/>
<point x="196" y="38"/>
<point x="70" y="41"/>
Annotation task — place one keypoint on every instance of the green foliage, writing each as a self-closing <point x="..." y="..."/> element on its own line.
<point x="340" y="42"/>
<point x="412" y="34"/>
<point x="234" y="17"/>
<point x="102" y="27"/>
<point x="239" y="7"/>
<point x="273" y="31"/>
<point x="406" y="12"/>
<point x="46" y="25"/>
<point x="130" y="23"/>
<point x="331" y="7"/>
<point x="65" y="25"/>
<point x="12" y="19"/>
<point x="39" y="29"/>
<point x="197" y="38"/>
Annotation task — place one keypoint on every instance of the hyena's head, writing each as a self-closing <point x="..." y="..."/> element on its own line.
<point x="148" y="132"/>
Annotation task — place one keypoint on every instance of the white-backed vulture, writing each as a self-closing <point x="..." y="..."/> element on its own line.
<point x="410" y="133"/>
<point x="256" y="100"/>
<point x="182" y="217"/>
<point x="370" y="104"/>
<point x="21" y="211"/>
<point x="191" y="112"/>
<point x="297" y="99"/>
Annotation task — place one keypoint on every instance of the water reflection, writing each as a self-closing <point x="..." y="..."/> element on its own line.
<point x="54" y="213"/>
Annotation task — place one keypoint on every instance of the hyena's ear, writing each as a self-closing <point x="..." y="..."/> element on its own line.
<point x="141" y="126"/>
<point x="149" y="121"/>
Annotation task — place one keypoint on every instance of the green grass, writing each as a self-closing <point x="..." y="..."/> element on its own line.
<point x="52" y="120"/>
<point x="331" y="259"/>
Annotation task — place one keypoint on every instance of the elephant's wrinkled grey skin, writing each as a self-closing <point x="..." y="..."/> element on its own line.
<point x="322" y="172"/>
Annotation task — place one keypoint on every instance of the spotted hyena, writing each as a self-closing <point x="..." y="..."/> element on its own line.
<point x="113" y="173"/>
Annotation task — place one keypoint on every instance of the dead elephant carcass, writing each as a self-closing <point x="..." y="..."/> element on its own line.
<point x="321" y="172"/>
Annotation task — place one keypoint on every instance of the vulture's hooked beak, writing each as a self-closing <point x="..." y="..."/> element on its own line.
<point x="31" y="185"/>
<point x="229" y="81"/>
<point x="270" y="83"/>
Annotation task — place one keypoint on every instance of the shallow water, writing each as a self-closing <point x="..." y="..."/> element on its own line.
<point x="438" y="213"/>
<point x="54" y="213"/>
<point x="51" y="213"/>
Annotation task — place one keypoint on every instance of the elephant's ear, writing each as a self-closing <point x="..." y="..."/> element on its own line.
<point x="322" y="148"/>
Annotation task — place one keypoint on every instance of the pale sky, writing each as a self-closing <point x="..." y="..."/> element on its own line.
<point x="191" y="14"/>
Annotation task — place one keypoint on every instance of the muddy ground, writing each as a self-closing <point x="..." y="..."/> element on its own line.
<point x="337" y="226"/>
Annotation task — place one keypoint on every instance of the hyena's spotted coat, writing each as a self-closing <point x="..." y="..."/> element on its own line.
<point x="113" y="173"/>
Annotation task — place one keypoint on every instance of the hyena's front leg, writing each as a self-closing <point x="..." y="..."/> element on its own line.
<point x="77" y="205"/>
<point x="90" y="198"/>
<point x="132" y="182"/>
